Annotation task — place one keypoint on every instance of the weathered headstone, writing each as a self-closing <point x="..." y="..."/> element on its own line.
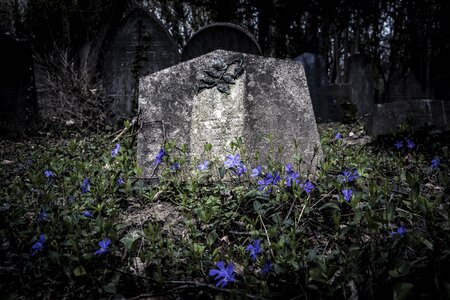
<point x="140" y="46"/>
<point x="358" y="72"/>
<point x="269" y="97"/>
<point x="225" y="36"/>
<point x="387" y="118"/>
<point x="325" y="109"/>
<point x="18" y="106"/>
<point x="404" y="87"/>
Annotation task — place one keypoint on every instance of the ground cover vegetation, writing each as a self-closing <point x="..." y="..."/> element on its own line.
<point x="371" y="222"/>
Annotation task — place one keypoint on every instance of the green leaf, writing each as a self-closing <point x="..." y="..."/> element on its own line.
<point x="130" y="239"/>
<point x="79" y="271"/>
<point x="111" y="287"/>
<point x="402" y="290"/>
<point x="257" y="207"/>
<point x="212" y="236"/>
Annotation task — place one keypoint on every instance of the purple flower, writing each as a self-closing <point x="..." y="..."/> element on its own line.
<point x="120" y="181"/>
<point x="234" y="163"/>
<point x="87" y="214"/>
<point x="115" y="151"/>
<point x="398" y="144"/>
<point x="410" y="144"/>
<point x="175" y="166"/>
<point x="256" y="171"/>
<point x="103" y="246"/>
<point x="348" y="176"/>
<point x="254" y="249"/>
<point x="268" y="180"/>
<point x="39" y="245"/>
<point x="43" y="215"/>
<point x="203" y="166"/>
<point x="435" y="163"/>
<point x="159" y="156"/>
<point x="291" y="176"/>
<point x="223" y="275"/>
<point x="400" y="230"/>
<point x="347" y="194"/>
<point x="338" y="136"/>
<point x="85" y="186"/>
<point x="49" y="174"/>
<point x="307" y="186"/>
<point x="266" y="268"/>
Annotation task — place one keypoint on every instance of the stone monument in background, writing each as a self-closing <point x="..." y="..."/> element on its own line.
<point x="139" y="46"/>
<point x="225" y="36"/>
<point x="18" y="105"/>
<point x="223" y="95"/>
<point x="325" y="109"/>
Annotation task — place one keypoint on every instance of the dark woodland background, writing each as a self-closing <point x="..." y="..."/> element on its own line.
<point x="403" y="38"/>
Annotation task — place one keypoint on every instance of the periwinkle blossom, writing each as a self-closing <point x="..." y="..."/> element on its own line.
<point x="120" y="181"/>
<point x="256" y="171"/>
<point x="307" y="186"/>
<point x="116" y="150"/>
<point x="349" y="176"/>
<point x="347" y="194"/>
<point x="338" y="136"/>
<point x="39" y="245"/>
<point x="410" y="144"/>
<point x="49" y="174"/>
<point x="269" y="180"/>
<point x="234" y="163"/>
<point x="159" y="156"/>
<point x="435" y="163"/>
<point x="85" y="186"/>
<point x="398" y="144"/>
<point x="223" y="274"/>
<point x="175" y="167"/>
<point x="400" y="230"/>
<point x="291" y="176"/>
<point x="42" y="216"/>
<point x="254" y="249"/>
<point x="266" y="268"/>
<point x="87" y="214"/>
<point x="103" y="246"/>
<point x="203" y="166"/>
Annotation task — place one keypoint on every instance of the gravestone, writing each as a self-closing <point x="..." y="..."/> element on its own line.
<point x="387" y="118"/>
<point x="140" y="46"/>
<point x="404" y="87"/>
<point x="325" y="109"/>
<point x="18" y="106"/>
<point x="358" y="72"/>
<point x="269" y="97"/>
<point x="225" y="36"/>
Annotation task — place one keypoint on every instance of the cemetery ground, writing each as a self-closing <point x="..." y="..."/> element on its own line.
<point x="371" y="222"/>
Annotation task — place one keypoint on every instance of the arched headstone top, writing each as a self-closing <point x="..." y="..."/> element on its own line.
<point x="139" y="45"/>
<point x="221" y="35"/>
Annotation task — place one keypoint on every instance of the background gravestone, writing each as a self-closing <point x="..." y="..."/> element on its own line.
<point x="18" y="106"/>
<point x="387" y="118"/>
<point x="225" y="36"/>
<point x="270" y="97"/>
<point x="324" y="108"/>
<point x="140" y="46"/>
<point x="358" y="72"/>
<point x="404" y="87"/>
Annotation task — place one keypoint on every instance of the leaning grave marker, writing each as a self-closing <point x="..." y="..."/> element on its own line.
<point x="183" y="104"/>
<point x="139" y="46"/>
